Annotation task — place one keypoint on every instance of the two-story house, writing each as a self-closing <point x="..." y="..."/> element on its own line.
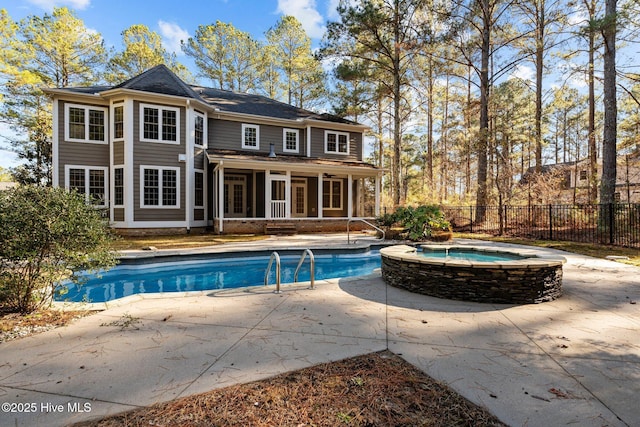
<point x="164" y="156"/>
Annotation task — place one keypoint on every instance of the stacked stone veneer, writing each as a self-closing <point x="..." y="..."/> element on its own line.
<point x="526" y="281"/>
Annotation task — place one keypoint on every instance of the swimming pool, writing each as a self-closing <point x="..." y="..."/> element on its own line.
<point x="214" y="273"/>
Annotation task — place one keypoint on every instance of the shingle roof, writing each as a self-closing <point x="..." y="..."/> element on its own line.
<point x="159" y="79"/>
<point x="163" y="81"/>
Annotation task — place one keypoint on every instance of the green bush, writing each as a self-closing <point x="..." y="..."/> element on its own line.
<point x="46" y="236"/>
<point x="419" y="223"/>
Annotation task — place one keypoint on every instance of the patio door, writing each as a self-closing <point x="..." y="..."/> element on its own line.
<point x="235" y="196"/>
<point x="299" y="198"/>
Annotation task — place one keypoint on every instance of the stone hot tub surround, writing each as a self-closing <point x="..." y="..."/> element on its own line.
<point x="535" y="278"/>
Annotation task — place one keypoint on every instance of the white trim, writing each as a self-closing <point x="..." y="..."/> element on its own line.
<point x="160" y="169"/>
<point x="349" y="196"/>
<point x="249" y="147"/>
<point x="319" y="191"/>
<point x="338" y="134"/>
<point x="129" y="166"/>
<point x="308" y="141"/>
<point x="150" y="224"/>
<point x="87" y="170"/>
<point x="284" y="140"/>
<point x="55" y="146"/>
<point x="86" y="109"/>
<point x="161" y="109"/>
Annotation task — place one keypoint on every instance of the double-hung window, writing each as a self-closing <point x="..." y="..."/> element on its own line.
<point x="159" y="187"/>
<point x="251" y="137"/>
<point x="159" y="124"/>
<point x="332" y="194"/>
<point x="118" y="122"/>
<point x="198" y="129"/>
<point x="118" y="186"/>
<point x="290" y="140"/>
<point x="90" y="181"/>
<point x="198" y="186"/>
<point x="336" y="142"/>
<point x="85" y="124"/>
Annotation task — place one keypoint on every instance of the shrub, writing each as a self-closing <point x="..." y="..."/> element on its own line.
<point x="46" y="236"/>
<point x="419" y="223"/>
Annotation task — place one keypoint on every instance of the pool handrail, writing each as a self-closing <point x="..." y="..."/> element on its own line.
<point x="366" y="222"/>
<point x="312" y="266"/>
<point x="276" y="256"/>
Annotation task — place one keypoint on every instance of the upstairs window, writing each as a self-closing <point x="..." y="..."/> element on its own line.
<point x="85" y="124"/>
<point x="290" y="140"/>
<point x="159" y="124"/>
<point x="199" y="129"/>
<point x="583" y="175"/>
<point x="251" y="137"/>
<point x="118" y="122"/>
<point x="336" y="142"/>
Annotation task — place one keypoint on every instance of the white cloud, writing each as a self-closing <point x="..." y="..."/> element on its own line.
<point x="307" y="13"/>
<point x="332" y="10"/>
<point x="172" y="34"/>
<point x="523" y="72"/>
<point x="50" y="4"/>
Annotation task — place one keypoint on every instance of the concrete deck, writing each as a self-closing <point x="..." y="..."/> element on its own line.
<point x="573" y="361"/>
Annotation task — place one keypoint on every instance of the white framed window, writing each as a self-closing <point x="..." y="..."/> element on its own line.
<point x="159" y="124"/>
<point x="118" y="122"/>
<point x="332" y="194"/>
<point x="336" y="142"/>
<point x="251" y="137"/>
<point x="90" y="181"/>
<point x="198" y="129"/>
<point x="85" y="123"/>
<point x="290" y="140"/>
<point x="159" y="187"/>
<point x="118" y="186"/>
<point x="198" y="188"/>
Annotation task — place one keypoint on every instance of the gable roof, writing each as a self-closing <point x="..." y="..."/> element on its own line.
<point x="162" y="81"/>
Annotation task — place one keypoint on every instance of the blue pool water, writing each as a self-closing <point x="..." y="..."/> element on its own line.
<point x="470" y="255"/>
<point x="213" y="274"/>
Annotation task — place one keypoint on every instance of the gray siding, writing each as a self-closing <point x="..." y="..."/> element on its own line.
<point x="77" y="153"/>
<point x="118" y="214"/>
<point x="227" y="135"/>
<point x="118" y="153"/>
<point x="157" y="154"/>
<point x="199" y="158"/>
<point x="317" y="146"/>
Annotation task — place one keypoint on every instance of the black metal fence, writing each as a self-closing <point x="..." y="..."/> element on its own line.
<point x="611" y="224"/>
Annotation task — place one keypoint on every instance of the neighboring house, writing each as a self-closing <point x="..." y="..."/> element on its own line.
<point x="161" y="155"/>
<point x="6" y="185"/>
<point x="575" y="183"/>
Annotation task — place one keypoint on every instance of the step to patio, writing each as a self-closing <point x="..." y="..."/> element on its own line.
<point x="280" y="228"/>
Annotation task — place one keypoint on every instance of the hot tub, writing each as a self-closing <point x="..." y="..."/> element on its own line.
<point x="474" y="273"/>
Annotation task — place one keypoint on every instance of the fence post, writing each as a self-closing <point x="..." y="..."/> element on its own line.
<point x="471" y="219"/>
<point x="550" y="222"/>
<point x="611" y="223"/>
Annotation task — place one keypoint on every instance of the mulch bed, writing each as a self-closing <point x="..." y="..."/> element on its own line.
<point x="378" y="389"/>
<point x="15" y="325"/>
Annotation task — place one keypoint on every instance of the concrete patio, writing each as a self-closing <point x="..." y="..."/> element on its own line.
<point x="573" y="361"/>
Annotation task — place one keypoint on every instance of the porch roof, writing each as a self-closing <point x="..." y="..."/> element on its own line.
<point x="231" y="158"/>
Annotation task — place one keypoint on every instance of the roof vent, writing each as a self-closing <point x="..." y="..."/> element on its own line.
<point x="272" y="150"/>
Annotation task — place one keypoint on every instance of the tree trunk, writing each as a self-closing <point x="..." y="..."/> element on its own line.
<point x="608" y="184"/>
<point x="593" y="151"/>
<point x="481" y="195"/>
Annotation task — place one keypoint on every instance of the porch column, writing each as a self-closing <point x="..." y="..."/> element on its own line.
<point x="377" y="192"/>
<point x="267" y="194"/>
<point x="287" y="195"/>
<point x="220" y="198"/>
<point x="320" y="195"/>
<point x="349" y="196"/>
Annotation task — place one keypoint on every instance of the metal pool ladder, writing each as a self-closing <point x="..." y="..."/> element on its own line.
<point x="312" y="266"/>
<point x="275" y="256"/>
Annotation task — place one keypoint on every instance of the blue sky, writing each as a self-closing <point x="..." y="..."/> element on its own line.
<point x="175" y="20"/>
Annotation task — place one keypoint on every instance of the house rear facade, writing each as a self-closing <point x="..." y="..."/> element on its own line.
<point x="160" y="155"/>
